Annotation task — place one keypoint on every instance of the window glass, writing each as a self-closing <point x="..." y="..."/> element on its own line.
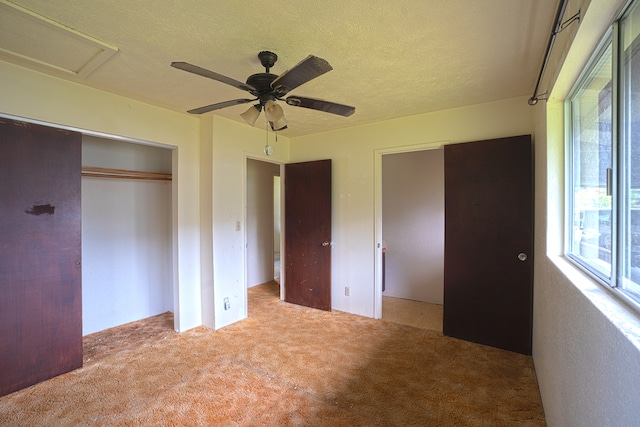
<point x="604" y="161"/>
<point x="629" y="170"/>
<point x="591" y="156"/>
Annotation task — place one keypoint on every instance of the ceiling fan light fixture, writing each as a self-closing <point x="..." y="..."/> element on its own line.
<point x="251" y="115"/>
<point x="273" y="111"/>
<point x="279" y="125"/>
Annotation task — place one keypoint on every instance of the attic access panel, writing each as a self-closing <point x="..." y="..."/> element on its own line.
<point x="35" y="41"/>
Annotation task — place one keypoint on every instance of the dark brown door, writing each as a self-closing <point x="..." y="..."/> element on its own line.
<point x="488" y="259"/>
<point x="307" y="266"/>
<point x="40" y="274"/>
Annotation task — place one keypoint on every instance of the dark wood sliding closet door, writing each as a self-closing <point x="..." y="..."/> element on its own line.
<point x="488" y="278"/>
<point x="40" y="272"/>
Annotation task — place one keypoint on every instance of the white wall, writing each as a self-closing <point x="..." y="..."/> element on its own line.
<point x="231" y="144"/>
<point x="126" y="251"/>
<point x="31" y="95"/>
<point x="413" y="225"/>
<point x="109" y="153"/>
<point x="353" y="155"/>
<point x="260" y="221"/>
<point x="586" y="345"/>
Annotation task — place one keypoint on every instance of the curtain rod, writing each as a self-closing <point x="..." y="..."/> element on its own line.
<point x="558" y="26"/>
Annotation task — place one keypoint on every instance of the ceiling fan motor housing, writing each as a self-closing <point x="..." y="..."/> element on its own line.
<point x="262" y="83"/>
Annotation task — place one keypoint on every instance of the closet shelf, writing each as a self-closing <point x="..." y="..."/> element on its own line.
<point x="124" y="174"/>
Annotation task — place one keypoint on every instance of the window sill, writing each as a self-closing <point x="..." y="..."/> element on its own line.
<point x="621" y="315"/>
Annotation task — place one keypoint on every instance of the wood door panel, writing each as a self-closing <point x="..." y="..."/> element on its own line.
<point x="40" y="273"/>
<point x="488" y="222"/>
<point x="307" y="264"/>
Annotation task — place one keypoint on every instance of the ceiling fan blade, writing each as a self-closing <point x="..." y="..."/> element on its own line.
<point x="185" y="66"/>
<point x="318" y="104"/>
<point x="308" y="69"/>
<point x="219" y="105"/>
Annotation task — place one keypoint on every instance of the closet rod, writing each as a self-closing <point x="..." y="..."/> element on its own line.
<point x="557" y="27"/>
<point x="97" y="172"/>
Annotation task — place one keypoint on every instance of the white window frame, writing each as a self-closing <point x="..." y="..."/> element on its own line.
<point x="615" y="282"/>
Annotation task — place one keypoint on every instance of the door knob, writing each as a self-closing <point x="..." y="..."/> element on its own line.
<point x="522" y="256"/>
<point x="325" y="243"/>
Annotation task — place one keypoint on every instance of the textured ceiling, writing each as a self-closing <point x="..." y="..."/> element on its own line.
<point x="390" y="58"/>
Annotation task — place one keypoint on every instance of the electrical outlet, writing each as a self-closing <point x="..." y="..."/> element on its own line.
<point x="227" y="304"/>
<point x="347" y="291"/>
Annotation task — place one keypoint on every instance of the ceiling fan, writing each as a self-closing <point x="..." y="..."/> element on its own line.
<point x="269" y="88"/>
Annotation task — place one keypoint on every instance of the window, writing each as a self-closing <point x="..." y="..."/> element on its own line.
<point x="604" y="160"/>
<point x="629" y="153"/>
<point x="591" y="157"/>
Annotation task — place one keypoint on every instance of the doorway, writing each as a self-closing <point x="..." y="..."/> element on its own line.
<point x="263" y="222"/>
<point x="411" y="222"/>
<point x="488" y="233"/>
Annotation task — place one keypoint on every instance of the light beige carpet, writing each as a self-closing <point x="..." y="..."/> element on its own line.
<point x="418" y="314"/>
<point x="285" y="365"/>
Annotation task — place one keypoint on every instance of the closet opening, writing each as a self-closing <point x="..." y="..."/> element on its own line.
<point x="127" y="248"/>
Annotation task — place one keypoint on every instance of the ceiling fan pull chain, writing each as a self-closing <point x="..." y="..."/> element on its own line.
<point x="268" y="150"/>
